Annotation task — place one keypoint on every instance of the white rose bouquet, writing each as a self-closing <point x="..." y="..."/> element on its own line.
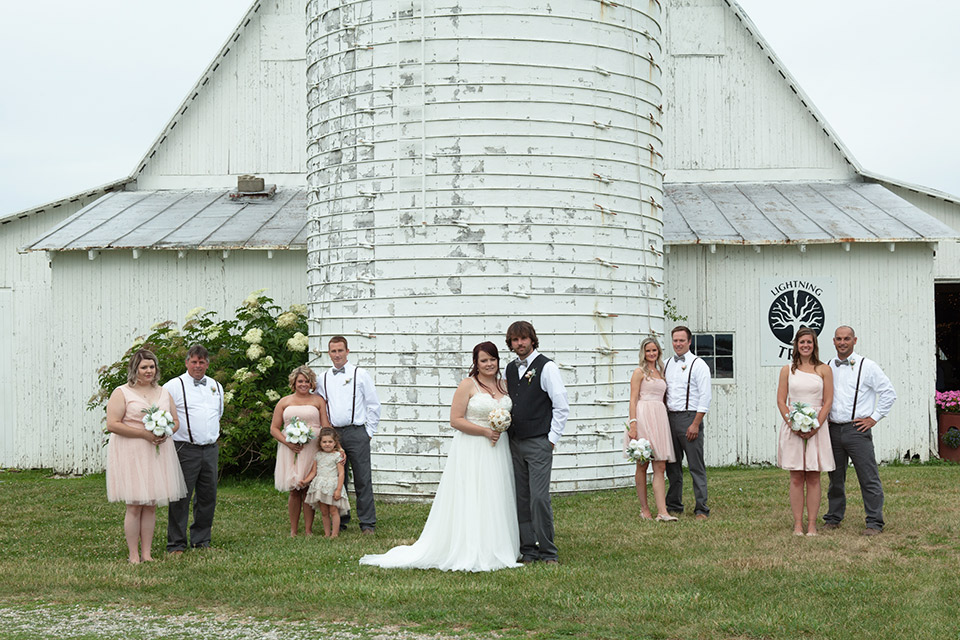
<point x="639" y="450"/>
<point x="297" y="432"/>
<point x="802" y="417"/>
<point x="499" y="420"/>
<point x="158" y="421"/>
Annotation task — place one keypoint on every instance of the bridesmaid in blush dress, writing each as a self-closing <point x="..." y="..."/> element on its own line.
<point x="295" y="461"/>
<point x="805" y="455"/>
<point x="143" y="470"/>
<point x="648" y="419"/>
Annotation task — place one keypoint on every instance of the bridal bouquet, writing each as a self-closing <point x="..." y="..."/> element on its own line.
<point x="499" y="420"/>
<point x="802" y="417"/>
<point x="297" y="432"/>
<point x="639" y="450"/>
<point x="158" y="421"/>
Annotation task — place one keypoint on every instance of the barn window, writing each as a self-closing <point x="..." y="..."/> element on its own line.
<point x="716" y="349"/>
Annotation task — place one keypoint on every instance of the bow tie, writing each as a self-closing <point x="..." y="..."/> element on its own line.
<point x="201" y="381"/>
<point x="679" y="358"/>
<point x="522" y="363"/>
<point x="340" y="370"/>
<point x="840" y="362"/>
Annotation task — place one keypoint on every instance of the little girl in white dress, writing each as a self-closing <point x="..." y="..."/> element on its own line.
<point x="326" y="492"/>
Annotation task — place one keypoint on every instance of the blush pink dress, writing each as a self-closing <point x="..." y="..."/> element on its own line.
<point x="818" y="454"/>
<point x="136" y="472"/>
<point x="292" y="468"/>
<point x="652" y="421"/>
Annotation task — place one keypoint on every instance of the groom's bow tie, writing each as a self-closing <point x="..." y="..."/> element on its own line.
<point x="201" y="381"/>
<point x="840" y="362"/>
<point x="679" y="358"/>
<point x="340" y="370"/>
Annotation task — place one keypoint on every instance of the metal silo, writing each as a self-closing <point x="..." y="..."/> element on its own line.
<point x="474" y="163"/>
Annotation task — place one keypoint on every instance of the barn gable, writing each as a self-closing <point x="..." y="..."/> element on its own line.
<point x="732" y="112"/>
<point x="246" y="114"/>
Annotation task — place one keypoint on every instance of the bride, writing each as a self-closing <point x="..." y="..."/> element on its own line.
<point x="472" y="524"/>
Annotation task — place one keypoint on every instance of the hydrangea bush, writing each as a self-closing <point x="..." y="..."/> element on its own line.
<point x="250" y="356"/>
<point x="948" y="401"/>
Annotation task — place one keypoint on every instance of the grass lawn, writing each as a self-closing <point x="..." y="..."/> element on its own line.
<point x="740" y="574"/>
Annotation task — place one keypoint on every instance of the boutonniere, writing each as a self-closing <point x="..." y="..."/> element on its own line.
<point x="683" y="367"/>
<point x="852" y="361"/>
<point x="213" y="389"/>
<point x="530" y="375"/>
<point x="346" y="381"/>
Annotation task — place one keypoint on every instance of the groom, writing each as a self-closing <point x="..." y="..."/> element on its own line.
<point x="539" y="414"/>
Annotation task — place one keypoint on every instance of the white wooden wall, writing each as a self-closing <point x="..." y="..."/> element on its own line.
<point x="728" y="113"/>
<point x="249" y="115"/>
<point x="25" y="332"/>
<point x="887" y="298"/>
<point x="97" y="309"/>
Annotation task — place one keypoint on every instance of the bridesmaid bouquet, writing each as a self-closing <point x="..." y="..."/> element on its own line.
<point x="158" y="421"/>
<point x="297" y="432"/>
<point x="499" y="420"/>
<point x="639" y="450"/>
<point x="802" y="417"/>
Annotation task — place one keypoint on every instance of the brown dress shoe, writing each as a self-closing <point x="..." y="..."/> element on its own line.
<point x="830" y="525"/>
<point x="870" y="531"/>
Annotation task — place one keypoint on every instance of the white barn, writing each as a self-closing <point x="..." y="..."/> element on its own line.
<point x="757" y="187"/>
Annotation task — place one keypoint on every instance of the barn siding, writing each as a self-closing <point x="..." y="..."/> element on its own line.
<point x="887" y="297"/>
<point x="948" y="251"/>
<point x="728" y="113"/>
<point x="98" y="307"/>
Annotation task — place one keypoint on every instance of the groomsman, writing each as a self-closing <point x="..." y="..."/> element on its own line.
<point x="199" y="401"/>
<point x="688" y="400"/>
<point x="862" y="396"/>
<point x="354" y="411"/>
<point x="539" y="415"/>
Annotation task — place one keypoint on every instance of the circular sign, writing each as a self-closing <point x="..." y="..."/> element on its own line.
<point x="792" y="310"/>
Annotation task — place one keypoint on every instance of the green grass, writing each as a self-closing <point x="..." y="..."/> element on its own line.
<point x="740" y="574"/>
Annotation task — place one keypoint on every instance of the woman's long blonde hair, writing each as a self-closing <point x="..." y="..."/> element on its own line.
<point x="643" y="360"/>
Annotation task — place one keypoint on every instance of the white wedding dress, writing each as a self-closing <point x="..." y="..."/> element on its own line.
<point x="472" y="524"/>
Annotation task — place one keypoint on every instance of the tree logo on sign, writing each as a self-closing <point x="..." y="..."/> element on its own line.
<point x="794" y="309"/>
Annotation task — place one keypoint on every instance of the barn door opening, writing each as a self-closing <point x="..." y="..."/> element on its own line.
<point x="947" y="301"/>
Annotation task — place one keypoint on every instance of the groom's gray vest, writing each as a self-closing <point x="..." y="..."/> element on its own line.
<point x="532" y="408"/>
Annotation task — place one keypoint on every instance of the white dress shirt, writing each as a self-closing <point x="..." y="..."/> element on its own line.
<point x="552" y="384"/>
<point x="876" y="395"/>
<point x="690" y="368"/>
<point x="337" y="390"/>
<point x="205" y="405"/>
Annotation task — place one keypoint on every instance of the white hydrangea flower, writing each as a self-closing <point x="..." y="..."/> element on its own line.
<point x="287" y="320"/>
<point x="253" y="336"/>
<point x="299" y="309"/>
<point x="193" y="313"/>
<point x="255" y="351"/>
<point x="298" y="342"/>
<point x="272" y="395"/>
<point x="240" y="374"/>
<point x="228" y="397"/>
<point x="212" y="333"/>
<point x="265" y="364"/>
<point x="252" y="300"/>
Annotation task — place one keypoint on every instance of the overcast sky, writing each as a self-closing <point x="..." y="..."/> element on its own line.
<point x="88" y="86"/>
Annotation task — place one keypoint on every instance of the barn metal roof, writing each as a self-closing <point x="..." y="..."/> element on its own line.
<point x="715" y="213"/>
<point x="183" y="219"/>
<point x="793" y="213"/>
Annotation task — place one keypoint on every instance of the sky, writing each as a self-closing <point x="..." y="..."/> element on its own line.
<point x="89" y="86"/>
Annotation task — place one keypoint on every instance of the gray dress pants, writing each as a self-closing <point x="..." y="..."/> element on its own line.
<point x="199" y="466"/>
<point x="679" y="421"/>
<point x="356" y="444"/>
<point x="850" y="444"/>
<point x="532" y="463"/>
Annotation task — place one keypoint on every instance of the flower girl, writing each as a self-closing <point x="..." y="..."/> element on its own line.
<point x="326" y="483"/>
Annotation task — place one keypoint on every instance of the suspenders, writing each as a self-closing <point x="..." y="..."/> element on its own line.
<point x="689" y="377"/>
<point x="186" y="410"/>
<point x="856" y="392"/>
<point x="353" y="407"/>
